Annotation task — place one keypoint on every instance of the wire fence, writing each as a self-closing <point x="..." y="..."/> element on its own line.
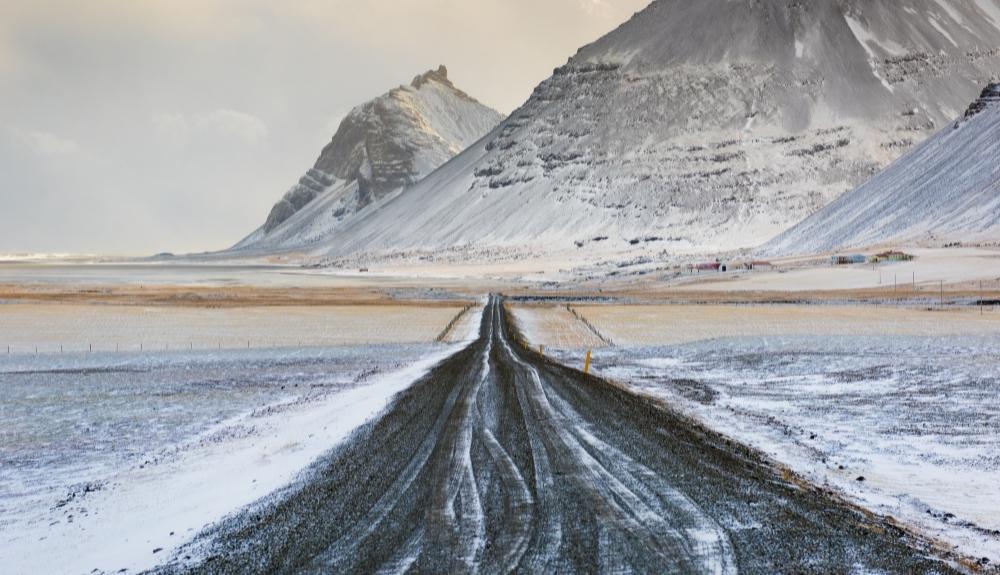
<point x="106" y="347"/>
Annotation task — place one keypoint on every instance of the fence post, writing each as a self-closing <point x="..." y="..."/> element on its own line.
<point x="586" y="364"/>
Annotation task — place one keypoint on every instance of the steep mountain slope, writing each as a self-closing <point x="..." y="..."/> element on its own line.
<point x="381" y="148"/>
<point x="945" y="190"/>
<point x="698" y="126"/>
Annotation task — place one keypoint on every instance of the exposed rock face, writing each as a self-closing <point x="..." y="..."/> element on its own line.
<point x="310" y="185"/>
<point x="989" y="97"/>
<point x="381" y="148"/>
<point x="713" y="124"/>
<point x="946" y="190"/>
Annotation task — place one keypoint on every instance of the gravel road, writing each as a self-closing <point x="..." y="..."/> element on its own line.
<point x="500" y="460"/>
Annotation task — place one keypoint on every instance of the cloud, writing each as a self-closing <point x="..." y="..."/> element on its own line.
<point x="43" y="144"/>
<point x="230" y="124"/>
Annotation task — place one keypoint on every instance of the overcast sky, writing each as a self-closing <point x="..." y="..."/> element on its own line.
<point x="140" y="126"/>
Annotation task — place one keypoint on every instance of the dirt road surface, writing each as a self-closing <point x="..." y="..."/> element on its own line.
<point x="500" y="461"/>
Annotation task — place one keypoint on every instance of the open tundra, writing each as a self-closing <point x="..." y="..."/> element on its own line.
<point x="499" y="460"/>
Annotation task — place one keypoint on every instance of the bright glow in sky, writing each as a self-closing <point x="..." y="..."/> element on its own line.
<point x="139" y="126"/>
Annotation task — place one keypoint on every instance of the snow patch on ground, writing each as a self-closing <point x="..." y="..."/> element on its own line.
<point x="866" y="40"/>
<point x="135" y="518"/>
<point x="899" y="425"/>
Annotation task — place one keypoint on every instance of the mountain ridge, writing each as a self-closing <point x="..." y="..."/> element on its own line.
<point x="946" y="190"/>
<point x="380" y="148"/>
<point x="788" y="106"/>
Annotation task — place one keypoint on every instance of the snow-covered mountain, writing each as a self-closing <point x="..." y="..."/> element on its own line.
<point x="945" y="190"/>
<point x="697" y="126"/>
<point x="381" y="148"/>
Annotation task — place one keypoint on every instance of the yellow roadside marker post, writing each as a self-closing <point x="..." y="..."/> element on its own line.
<point x="586" y="364"/>
<point x="541" y="350"/>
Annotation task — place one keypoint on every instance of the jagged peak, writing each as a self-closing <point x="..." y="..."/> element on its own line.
<point x="440" y="75"/>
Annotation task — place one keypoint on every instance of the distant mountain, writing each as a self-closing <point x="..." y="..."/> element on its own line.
<point x="380" y="149"/>
<point x="946" y="190"/>
<point x="696" y="126"/>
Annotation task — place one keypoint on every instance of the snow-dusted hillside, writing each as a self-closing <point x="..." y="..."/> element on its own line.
<point x="697" y="126"/>
<point x="945" y="190"/>
<point x="380" y="149"/>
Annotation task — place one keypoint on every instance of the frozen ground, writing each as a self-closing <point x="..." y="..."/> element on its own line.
<point x="499" y="461"/>
<point x="110" y="461"/>
<point x="907" y="426"/>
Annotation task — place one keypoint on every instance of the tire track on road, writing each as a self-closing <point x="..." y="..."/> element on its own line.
<point x="501" y="461"/>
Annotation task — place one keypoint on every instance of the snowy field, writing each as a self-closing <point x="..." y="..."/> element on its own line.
<point x="905" y="398"/>
<point x="57" y="271"/>
<point x="110" y="461"/>
<point x="906" y="426"/>
<point x="931" y="266"/>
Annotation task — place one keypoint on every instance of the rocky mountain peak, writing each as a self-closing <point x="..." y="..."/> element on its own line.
<point x="440" y="75"/>
<point x="381" y="148"/>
